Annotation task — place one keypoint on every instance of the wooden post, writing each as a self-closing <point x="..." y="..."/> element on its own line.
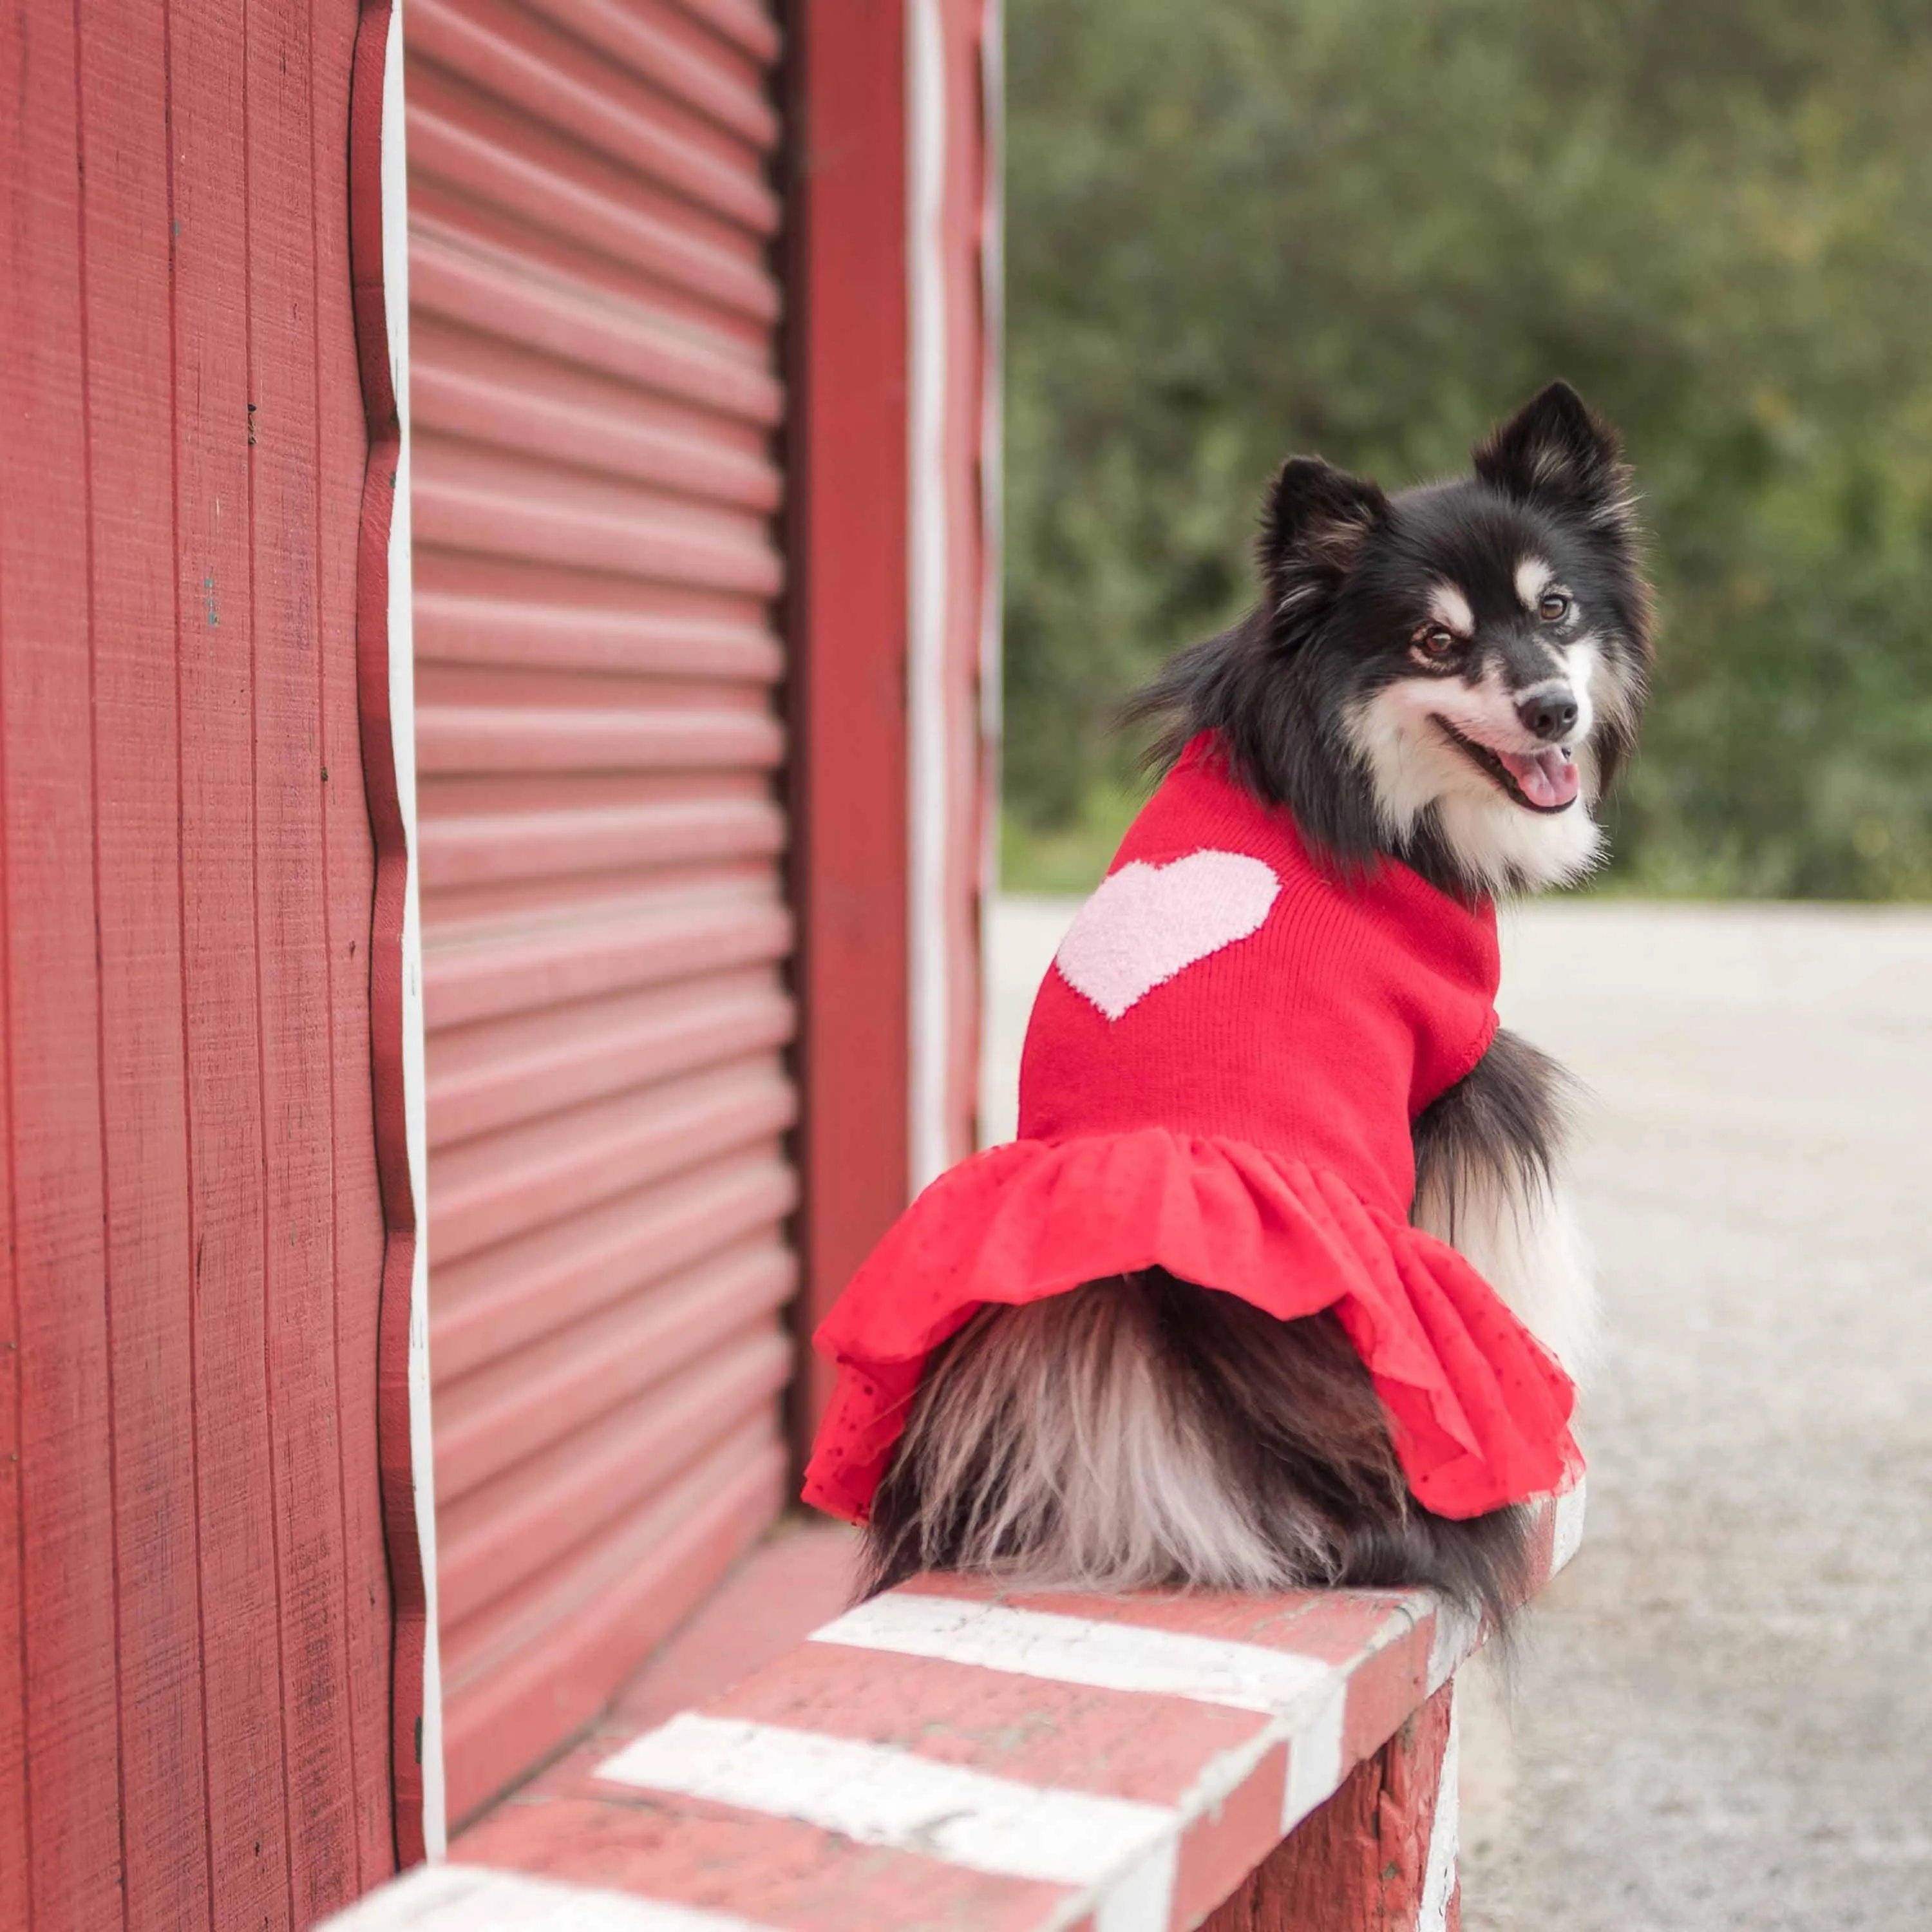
<point x="847" y="620"/>
<point x="887" y="205"/>
<point x="1379" y="1856"/>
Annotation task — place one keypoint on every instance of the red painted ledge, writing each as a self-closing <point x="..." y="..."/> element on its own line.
<point x="951" y="1754"/>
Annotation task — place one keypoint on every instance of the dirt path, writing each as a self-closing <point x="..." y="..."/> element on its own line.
<point x="1725" y="1717"/>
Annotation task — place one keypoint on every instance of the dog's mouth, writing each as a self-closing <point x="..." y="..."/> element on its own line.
<point x="1544" y="781"/>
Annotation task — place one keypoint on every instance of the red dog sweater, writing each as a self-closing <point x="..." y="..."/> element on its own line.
<point x="1219" y="1079"/>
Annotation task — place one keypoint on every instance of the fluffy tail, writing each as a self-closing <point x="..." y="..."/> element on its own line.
<point x="1142" y="1431"/>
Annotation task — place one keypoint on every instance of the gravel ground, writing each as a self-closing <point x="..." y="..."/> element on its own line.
<point x="1724" y="1717"/>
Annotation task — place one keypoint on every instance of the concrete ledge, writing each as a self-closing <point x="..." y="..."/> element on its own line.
<point x="950" y="1755"/>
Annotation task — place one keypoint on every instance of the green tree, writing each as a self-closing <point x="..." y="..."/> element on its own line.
<point x="1367" y="228"/>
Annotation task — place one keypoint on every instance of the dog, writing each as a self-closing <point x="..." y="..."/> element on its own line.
<point x="1450" y="677"/>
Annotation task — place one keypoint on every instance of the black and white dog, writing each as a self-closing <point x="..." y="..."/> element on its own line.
<point x="1452" y="677"/>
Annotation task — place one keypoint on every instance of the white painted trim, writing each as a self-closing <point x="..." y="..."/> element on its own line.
<point x="1568" y="1536"/>
<point x="881" y="1796"/>
<point x="403" y="726"/>
<point x="928" y="566"/>
<point x="992" y="484"/>
<point x="1315" y="1755"/>
<point x="1438" y="1883"/>
<point x="1142" y="1899"/>
<point x="471" y="1898"/>
<point x="1107" y="1656"/>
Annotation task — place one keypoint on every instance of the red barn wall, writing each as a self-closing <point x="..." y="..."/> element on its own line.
<point x="193" y="1721"/>
<point x="654" y="742"/>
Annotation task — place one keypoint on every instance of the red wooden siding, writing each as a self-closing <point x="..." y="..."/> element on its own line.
<point x="194" y="1717"/>
<point x="882" y="465"/>
<point x="849" y="535"/>
<point x="595" y="403"/>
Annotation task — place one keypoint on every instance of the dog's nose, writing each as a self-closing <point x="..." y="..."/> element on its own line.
<point x="1550" y="715"/>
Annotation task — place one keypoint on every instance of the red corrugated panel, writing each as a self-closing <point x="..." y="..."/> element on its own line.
<point x="595" y="396"/>
<point x="194" y="1608"/>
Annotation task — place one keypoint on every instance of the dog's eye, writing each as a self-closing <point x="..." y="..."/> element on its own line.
<point x="1554" y="607"/>
<point x="1436" y="642"/>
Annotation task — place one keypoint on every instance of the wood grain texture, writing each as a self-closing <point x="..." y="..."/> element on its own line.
<point x="284" y="504"/>
<point x="122" y="96"/>
<point x="1359" y="1862"/>
<point x="14" y="1839"/>
<point x="193" y="1604"/>
<point x="66" y="1779"/>
<point x="247" y="1837"/>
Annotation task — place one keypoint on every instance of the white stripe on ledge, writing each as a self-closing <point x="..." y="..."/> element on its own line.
<point x="881" y="1796"/>
<point x="1315" y="1755"/>
<point x="1444" y="1834"/>
<point x="1568" y="1535"/>
<point x="1103" y="1656"/>
<point x="471" y="1898"/>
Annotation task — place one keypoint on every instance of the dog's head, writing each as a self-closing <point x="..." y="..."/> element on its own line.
<point x="1452" y="675"/>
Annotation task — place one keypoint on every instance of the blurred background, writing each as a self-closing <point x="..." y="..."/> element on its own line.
<point x="1367" y="228"/>
<point x="1242" y="227"/>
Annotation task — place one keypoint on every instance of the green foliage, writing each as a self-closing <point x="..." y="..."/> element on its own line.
<point x="1367" y="228"/>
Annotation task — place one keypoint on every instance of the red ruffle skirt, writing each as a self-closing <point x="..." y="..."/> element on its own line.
<point x="1478" y="1410"/>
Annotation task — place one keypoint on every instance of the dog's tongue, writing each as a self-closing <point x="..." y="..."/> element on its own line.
<point x="1548" y="779"/>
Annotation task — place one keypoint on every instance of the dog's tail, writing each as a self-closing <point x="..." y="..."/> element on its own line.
<point x="1140" y="1432"/>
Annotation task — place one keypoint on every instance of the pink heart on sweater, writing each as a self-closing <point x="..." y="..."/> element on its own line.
<point x="1146" y="923"/>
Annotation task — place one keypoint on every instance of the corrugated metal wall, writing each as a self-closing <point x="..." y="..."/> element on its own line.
<point x="595" y="396"/>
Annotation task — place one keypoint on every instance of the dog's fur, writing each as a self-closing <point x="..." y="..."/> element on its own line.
<point x="1419" y="673"/>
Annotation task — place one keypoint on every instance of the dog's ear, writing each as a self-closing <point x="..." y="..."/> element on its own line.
<point x="1558" y="452"/>
<point x="1314" y="524"/>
